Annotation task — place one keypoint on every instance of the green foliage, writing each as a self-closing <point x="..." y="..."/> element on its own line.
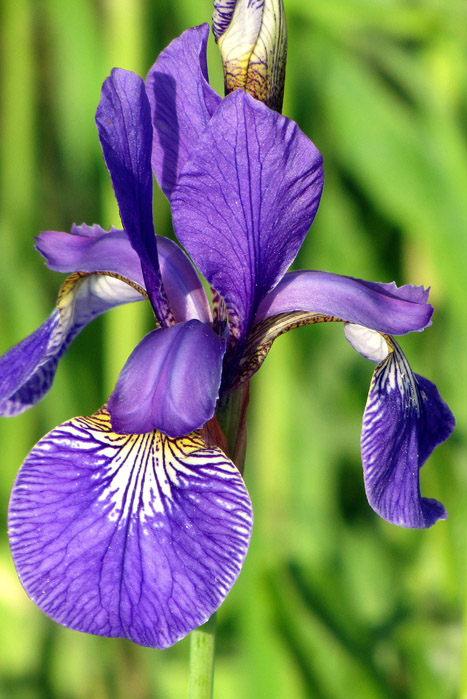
<point x="332" y="602"/>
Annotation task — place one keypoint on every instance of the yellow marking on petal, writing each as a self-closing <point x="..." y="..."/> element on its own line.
<point x="254" y="51"/>
<point x="149" y="466"/>
<point x="264" y="333"/>
<point x="70" y="283"/>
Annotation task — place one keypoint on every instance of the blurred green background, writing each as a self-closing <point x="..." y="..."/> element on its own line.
<point x="332" y="602"/>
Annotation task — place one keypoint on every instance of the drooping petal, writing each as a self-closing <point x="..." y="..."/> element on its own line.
<point x="384" y="307"/>
<point x="27" y="370"/>
<point x="252" y="39"/>
<point x="91" y="249"/>
<point x="135" y="536"/>
<point x="170" y="382"/>
<point x="244" y="202"/>
<point x="405" y="418"/>
<point x="123" y="121"/>
<point x="182" y="102"/>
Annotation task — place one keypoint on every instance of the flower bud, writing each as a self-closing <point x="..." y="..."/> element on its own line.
<point x="252" y="39"/>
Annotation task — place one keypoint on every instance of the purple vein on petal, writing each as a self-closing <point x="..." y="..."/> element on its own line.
<point x="245" y="199"/>
<point x="28" y="369"/>
<point x="405" y="418"/>
<point x="123" y="121"/>
<point x="135" y="536"/>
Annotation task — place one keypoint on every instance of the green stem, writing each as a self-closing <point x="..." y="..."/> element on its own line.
<point x="228" y="431"/>
<point x="232" y="419"/>
<point x="202" y="648"/>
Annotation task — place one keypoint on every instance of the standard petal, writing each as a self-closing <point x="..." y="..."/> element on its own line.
<point x="245" y="200"/>
<point x="384" y="307"/>
<point x="123" y="120"/>
<point x="170" y="381"/>
<point x="135" y="536"/>
<point x="27" y="370"/>
<point x="182" y="102"/>
<point x="91" y="249"/>
<point x="405" y="419"/>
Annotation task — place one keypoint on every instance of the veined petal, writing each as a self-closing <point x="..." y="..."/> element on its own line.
<point x="405" y="419"/>
<point x="262" y="336"/>
<point x="383" y="307"/>
<point x="170" y="381"/>
<point x="91" y="249"/>
<point x="182" y="102"/>
<point x="135" y="536"/>
<point x="245" y="199"/>
<point x="252" y="39"/>
<point x="123" y="121"/>
<point x="222" y="16"/>
<point x="27" y="370"/>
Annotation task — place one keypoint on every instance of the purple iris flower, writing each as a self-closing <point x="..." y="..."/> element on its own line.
<point x="133" y="522"/>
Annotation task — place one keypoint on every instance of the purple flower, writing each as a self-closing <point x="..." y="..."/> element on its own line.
<point x="134" y="522"/>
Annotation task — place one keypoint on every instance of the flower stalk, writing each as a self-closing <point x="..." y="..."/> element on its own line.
<point x="202" y="652"/>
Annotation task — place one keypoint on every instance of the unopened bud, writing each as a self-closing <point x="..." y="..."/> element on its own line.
<point x="252" y="39"/>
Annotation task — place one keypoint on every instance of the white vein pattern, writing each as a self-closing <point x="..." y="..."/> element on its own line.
<point x="32" y="364"/>
<point x="128" y="535"/>
<point x="404" y="420"/>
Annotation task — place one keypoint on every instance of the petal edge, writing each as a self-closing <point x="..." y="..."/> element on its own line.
<point x="135" y="536"/>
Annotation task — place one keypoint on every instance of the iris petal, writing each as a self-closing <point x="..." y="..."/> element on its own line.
<point x="384" y="307"/>
<point x="135" y="536"/>
<point x="184" y="290"/>
<point x="304" y="298"/>
<point x="92" y="249"/>
<point x="123" y="120"/>
<point x="182" y="102"/>
<point x="28" y="369"/>
<point x="405" y="419"/>
<point x="170" y="381"/>
<point x="245" y="200"/>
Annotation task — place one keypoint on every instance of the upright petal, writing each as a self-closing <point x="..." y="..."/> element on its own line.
<point x="124" y="124"/>
<point x="405" y="419"/>
<point x="170" y="381"/>
<point x="244" y="202"/>
<point x="182" y="102"/>
<point x="135" y="536"/>
<point x="27" y="370"/>
<point x="252" y="39"/>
